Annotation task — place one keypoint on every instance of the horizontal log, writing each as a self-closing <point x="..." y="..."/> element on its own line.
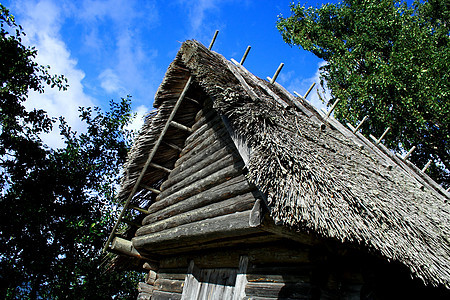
<point x="172" y="274"/>
<point x="144" y="296"/>
<point x="124" y="247"/>
<point x="216" y="163"/>
<point x="276" y="278"/>
<point x="169" y="285"/>
<point x="160" y="295"/>
<point x="146" y="288"/>
<point x="228" y="189"/>
<point x="299" y="290"/>
<point x="197" y="163"/>
<point x="203" y="125"/>
<point x="238" y="241"/>
<point x="235" y="204"/>
<point x="281" y="253"/>
<point x="199" y="186"/>
<point x="206" y="230"/>
<point x="214" y="137"/>
<point x="214" y="128"/>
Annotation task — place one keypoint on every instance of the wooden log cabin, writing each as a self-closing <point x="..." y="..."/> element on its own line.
<point x="248" y="192"/>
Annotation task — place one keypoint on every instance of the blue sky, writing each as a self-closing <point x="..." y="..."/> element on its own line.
<point x="112" y="48"/>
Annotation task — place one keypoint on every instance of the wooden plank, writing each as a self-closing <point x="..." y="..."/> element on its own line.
<point x="160" y="295"/>
<point x="206" y="230"/>
<point x="146" y="288"/>
<point x="269" y="226"/>
<point x="191" y="284"/>
<point x="228" y="189"/>
<point x="215" y="163"/>
<point x="206" y="183"/>
<point x="235" y="204"/>
<point x="159" y="167"/>
<point x="169" y="285"/>
<point x="241" y="278"/>
<point x="278" y="278"/>
<point x="172" y="274"/>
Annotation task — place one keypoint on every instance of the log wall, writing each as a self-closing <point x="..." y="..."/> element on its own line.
<point x="206" y="199"/>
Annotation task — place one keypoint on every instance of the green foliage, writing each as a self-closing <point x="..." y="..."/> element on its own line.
<point x="55" y="204"/>
<point x="388" y="61"/>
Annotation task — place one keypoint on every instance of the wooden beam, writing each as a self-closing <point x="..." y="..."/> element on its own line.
<point x="173" y="146"/>
<point x="202" y="231"/>
<point x="213" y="40"/>
<point x="125" y="247"/>
<point x="149" y="188"/>
<point x="144" y="211"/>
<point x="277" y="72"/>
<point x="180" y="126"/>
<point x="309" y="90"/>
<point x="245" y="55"/>
<point x="159" y="167"/>
<point x="241" y="278"/>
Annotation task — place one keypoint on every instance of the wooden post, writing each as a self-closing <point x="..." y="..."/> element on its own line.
<point x="360" y="124"/>
<point x="409" y="152"/>
<point x="332" y="107"/>
<point x="427" y="166"/>
<point x="245" y="55"/>
<point x="377" y="141"/>
<point x="213" y="40"/>
<point x="277" y="72"/>
<point x="241" y="278"/>
<point x="309" y="90"/>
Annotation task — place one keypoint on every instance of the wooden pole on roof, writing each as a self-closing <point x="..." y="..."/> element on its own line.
<point x="245" y="55"/>
<point x="309" y="90"/>
<point x="333" y="107"/>
<point x="360" y="124"/>
<point x="426" y="166"/>
<point x="213" y="40"/>
<point x="277" y="72"/>
<point x="409" y="152"/>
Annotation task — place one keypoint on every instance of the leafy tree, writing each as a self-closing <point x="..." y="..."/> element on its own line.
<point x="388" y="61"/>
<point x="54" y="203"/>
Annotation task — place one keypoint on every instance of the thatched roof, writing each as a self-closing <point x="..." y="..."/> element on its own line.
<point x="320" y="179"/>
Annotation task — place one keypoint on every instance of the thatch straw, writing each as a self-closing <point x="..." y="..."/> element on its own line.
<point x="315" y="181"/>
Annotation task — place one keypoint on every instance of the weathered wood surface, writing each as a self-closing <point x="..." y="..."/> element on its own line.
<point x="145" y="288"/>
<point x="161" y="295"/>
<point x="201" y="185"/>
<point x="241" y="278"/>
<point x="173" y="274"/>
<point x="201" y="231"/>
<point x="235" y="204"/>
<point x="169" y="285"/>
<point x="209" y="128"/>
<point x="196" y="163"/>
<point x="176" y="183"/>
<point x="299" y="290"/>
<point x="228" y="189"/>
<point x="277" y="278"/>
<point x="204" y="142"/>
<point x="124" y="247"/>
<point x="269" y="226"/>
<point x="236" y="241"/>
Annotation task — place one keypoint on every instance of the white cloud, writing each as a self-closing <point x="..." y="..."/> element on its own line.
<point x="42" y="22"/>
<point x="138" y="120"/>
<point x="111" y="82"/>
